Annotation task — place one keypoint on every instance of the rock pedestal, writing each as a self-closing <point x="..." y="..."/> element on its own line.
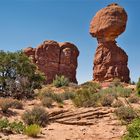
<point x="54" y="58"/>
<point x="110" y="61"/>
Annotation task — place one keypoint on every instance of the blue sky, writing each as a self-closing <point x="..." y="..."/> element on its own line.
<point x="25" y="23"/>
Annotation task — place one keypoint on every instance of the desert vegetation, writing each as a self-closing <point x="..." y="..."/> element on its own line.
<point x="61" y="101"/>
<point x="37" y="115"/>
<point x="18" y="76"/>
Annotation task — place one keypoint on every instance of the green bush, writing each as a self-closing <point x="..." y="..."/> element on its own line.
<point x="17" y="104"/>
<point x="117" y="103"/>
<point x="107" y="100"/>
<point x="49" y="94"/>
<point x="37" y="115"/>
<point x="32" y="130"/>
<point x="133" y="99"/>
<point x="4" y="124"/>
<point x="133" y="130"/>
<point x="17" y="127"/>
<point x="5" y="107"/>
<point x="110" y="91"/>
<point x="117" y="91"/>
<point x="5" y="104"/>
<point x="45" y="92"/>
<point x="116" y="82"/>
<point x="13" y="127"/>
<point x="65" y="95"/>
<point x="93" y="101"/>
<point x="59" y="98"/>
<point x="47" y="102"/>
<point x="60" y="81"/>
<point x="18" y="75"/>
<point x="125" y="113"/>
<point x="123" y="92"/>
<point x="83" y="98"/>
<point x="92" y="87"/>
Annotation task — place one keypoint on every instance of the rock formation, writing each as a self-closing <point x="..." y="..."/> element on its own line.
<point x="110" y="60"/>
<point x="54" y="58"/>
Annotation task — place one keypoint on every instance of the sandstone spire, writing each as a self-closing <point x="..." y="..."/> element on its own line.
<point x="110" y="61"/>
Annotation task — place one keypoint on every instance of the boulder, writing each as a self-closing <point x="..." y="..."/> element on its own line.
<point x="108" y="23"/>
<point x="110" y="61"/>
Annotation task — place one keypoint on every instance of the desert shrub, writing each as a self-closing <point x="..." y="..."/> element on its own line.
<point x="13" y="127"/>
<point x="117" y="91"/>
<point x="83" y="98"/>
<point x="92" y="87"/>
<point x="107" y="100"/>
<point x="123" y="92"/>
<point x="110" y="91"/>
<point x="116" y="82"/>
<point x="60" y="81"/>
<point x="133" y="99"/>
<point x="17" y="127"/>
<point x="5" y="104"/>
<point x="4" y="124"/>
<point x="32" y="130"/>
<point x="125" y="113"/>
<point x="57" y="98"/>
<point x="117" y="103"/>
<point x="133" y="130"/>
<point x="67" y="95"/>
<point x="37" y="115"/>
<point x="138" y="87"/>
<point x="47" y="102"/>
<point x="17" y="104"/>
<point x="45" y="92"/>
<point x="93" y="101"/>
<point x="5" y="107"/>
<point x="18" y="75"/>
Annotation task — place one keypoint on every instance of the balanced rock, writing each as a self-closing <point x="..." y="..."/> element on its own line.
<point x="54" y="58"/>
<point x="110" y="61"/>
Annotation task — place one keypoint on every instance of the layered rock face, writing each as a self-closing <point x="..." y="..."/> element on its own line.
<point x="54" y="58"/>
<point x="110" y="61"/>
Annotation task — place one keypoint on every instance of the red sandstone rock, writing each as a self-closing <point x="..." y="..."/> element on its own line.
<point x="30" y="52"/>
<point x="110" y="60"/>
<point x="68" y="60"/>
<point x="108" y="23"/>
<point x="54" y="58"/>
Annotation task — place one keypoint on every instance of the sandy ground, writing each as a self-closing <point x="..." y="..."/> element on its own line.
<point x="107" y="127"/>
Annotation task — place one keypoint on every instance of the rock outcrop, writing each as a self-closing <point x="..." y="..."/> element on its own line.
<point x="110" y="61"/>
<point x="54" y="58"/>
